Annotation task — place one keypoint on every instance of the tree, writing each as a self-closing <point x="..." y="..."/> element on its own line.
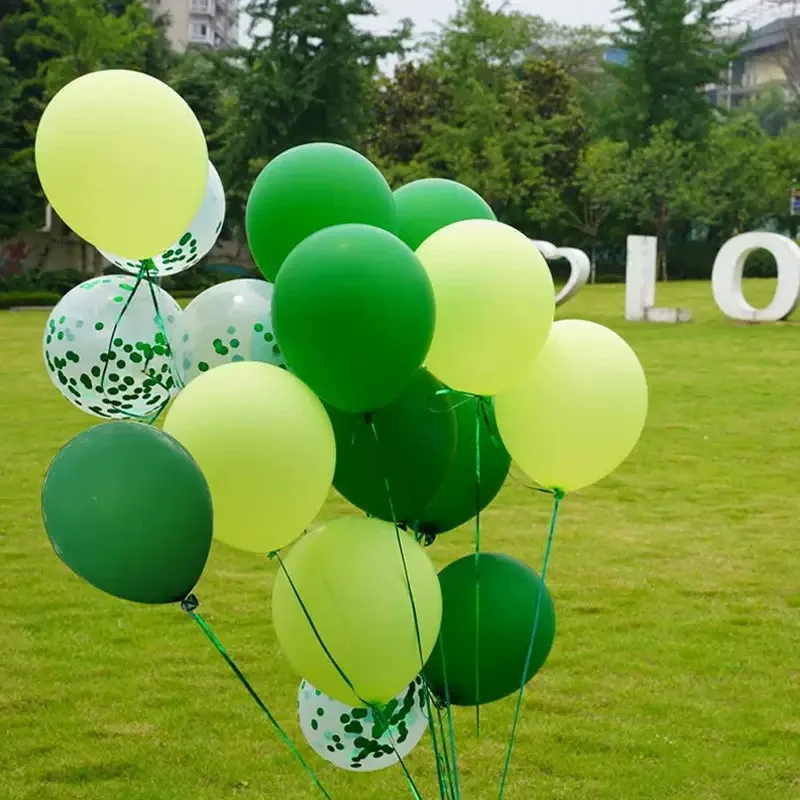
<point x="307" y="77"/>
<point x="658" y="188"/>
<point x="738" y="181"/>
<point x="601" y="183"/>
<point x="672" y="54"/>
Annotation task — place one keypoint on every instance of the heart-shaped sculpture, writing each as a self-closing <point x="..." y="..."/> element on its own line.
<point x="580" y="267"/>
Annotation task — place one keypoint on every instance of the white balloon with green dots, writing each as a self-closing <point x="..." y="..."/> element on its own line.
<point x="353" y="738"/>
<point x="194" y="243"/>
<point x="107" y="346"/>
<point x="229" y="322"/>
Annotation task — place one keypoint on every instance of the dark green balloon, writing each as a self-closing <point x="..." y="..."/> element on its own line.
<point x="353" y="312"/>
<point x="128" y="510"/>
<point x="509" y="594"/>
<point x="426" y="206"/>
<point x="456" y="502"/>
<point x="411" y="446"/>
<point x="309" y="188"/>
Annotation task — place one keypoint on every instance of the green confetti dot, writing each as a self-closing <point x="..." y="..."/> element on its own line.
<point x="117" y="342"/>
<point x="258" y="327"/>
<point x="98" y="326"/>
<point x="268" y="337"/>
<point x="96" y="371"/>
<point x="121" y="364"/>
<point x="60" y="336"/>
<point x="185" y="238"/>
<point x="113" y="377"/>
<point x="72" y="356"/>
<point x="314" y="725"/>
<point x="119" y="298"/>
<point x="128" y="348"/>
<point x="202" y="366"/>
<point x="231" y="330"/>
<point x="86" y="381"/>
<point x="276" y="350"/>
<point x="237" y="359"/>
<point x="136" y="358"/>
<point x="49" y="339"/>
<point x="235" y="343"/>
<point x="62" y="320"/>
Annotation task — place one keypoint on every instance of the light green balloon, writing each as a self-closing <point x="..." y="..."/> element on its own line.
<point x="580" y="411"/>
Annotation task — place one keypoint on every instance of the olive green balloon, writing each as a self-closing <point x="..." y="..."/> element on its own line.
<point x="309" y="188"/>
<point x="508" y="596"/>
<point x="458" y="499"/>
<point x="354" y="314"/>
<point x="408" y="445"/>
<point x="426" y="206"/>
<point x="128" y="510"/>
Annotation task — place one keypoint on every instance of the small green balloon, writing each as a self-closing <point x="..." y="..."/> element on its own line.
<point x="426" y="206"/>
<point x="392" y="463"/>
<point x="128" y="510"/>
<point x="508" y="596"/>
<point x="354" y="314"/>
<point x="457" y="500"/>
<point x="307" y="189"/>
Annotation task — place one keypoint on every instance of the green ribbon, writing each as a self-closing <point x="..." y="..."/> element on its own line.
<point x="190" y="606"/>
<point x="478" y="415"/>
<point x="558" y="496"/>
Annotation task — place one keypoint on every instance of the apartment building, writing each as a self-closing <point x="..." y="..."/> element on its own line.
<point x="201" y="23"/>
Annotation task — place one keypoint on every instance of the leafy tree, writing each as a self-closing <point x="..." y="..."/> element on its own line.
<point x="602" y="184"/>
<point x="658" y="190"/>
<point x="672" y="54"/>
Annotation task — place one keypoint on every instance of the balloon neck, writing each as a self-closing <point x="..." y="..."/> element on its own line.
<point x="190" y="604"/>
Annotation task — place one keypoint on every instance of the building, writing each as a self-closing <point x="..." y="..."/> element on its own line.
<point x="201" y="23"/>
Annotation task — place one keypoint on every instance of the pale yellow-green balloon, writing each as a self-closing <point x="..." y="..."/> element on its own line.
<point x="494" y="304"/>
<point x="265" y="446"/>
<point x="123" y="161"/>
<point x="349" y="575"/>
<point x="579" y="412"/>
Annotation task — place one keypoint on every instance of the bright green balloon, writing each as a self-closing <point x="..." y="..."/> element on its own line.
<point x="309" y="188"/>
<point x="353" y="312"/>
<point x="580" y="411"/>
<point x="128" y="510"/>
<point x="350" y="577"/>
<point x="456" y="502"/>
<point x="509" y="595"/>
<point x="409" y="444"/>
<point x="426" y="206"/>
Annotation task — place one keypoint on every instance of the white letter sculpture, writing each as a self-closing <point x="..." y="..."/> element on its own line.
<point x="579" y="268"/>
<point x="726" y="277"/>
<point x="640" y="285"/>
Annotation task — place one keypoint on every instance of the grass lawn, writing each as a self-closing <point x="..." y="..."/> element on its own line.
<point x="676" y="669"/>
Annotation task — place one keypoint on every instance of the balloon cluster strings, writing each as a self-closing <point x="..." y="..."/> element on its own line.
<point x="377" y="305"/>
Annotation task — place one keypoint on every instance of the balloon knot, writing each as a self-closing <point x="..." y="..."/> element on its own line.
<point x="190" y="604"/>
<point x="558" y="494"/>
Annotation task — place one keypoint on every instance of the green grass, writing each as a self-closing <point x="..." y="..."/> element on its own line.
<point x="676" y="581"/>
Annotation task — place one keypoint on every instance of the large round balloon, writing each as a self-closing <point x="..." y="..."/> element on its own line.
<point x="350" y="578"/>
<point x="266" y="447"/>
<point x="229" y="322"/>
<point x="354" y="315"/>
<point x="458" y="499"/>
<point x="408" y="445"/>
<point x="123" y="161"/>
<point x="128" y="510"/>
<point x="494" y="305"/>
<point x="358" y="739"/>
<point x="508" y="596"/>
<point x="426" y="206"/>
<point x="118" y="374"/>
<point x="579" y="412"/>
<point x="309" y="188"/>
<point x="194" y="243"/>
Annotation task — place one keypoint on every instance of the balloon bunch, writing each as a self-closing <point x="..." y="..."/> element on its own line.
<point x="402" y="350"/>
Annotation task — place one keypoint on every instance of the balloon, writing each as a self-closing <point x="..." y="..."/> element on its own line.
<point x="352" y="738"/>
<point x="411" y="447"/>
<point x="580" y="411"/>
<point x="426" y="206"/>
<point x="349" y="575"/>
<point x="196" y="242"/>
<point x="266" y="447"/>
<point x="309" y="188"/>
<point x="455" y="502"/>
<point x="119" y="376"/>
<point x="509" y="595"/>
<point x="227" y="323"/>
<point x="354" y="314"/>
<point x="123" y="161"/>
<point x="494" y="305"/>
<point x="128" y="510"/>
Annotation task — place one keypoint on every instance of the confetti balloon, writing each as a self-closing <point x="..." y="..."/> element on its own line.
<point x="352" y="738"/>
<point x="117" y="374"/>
<point x="196" y="241"/>
<point x="229" y="322"/>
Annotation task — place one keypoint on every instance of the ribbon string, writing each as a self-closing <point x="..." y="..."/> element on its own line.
<point x="478" y="414"/>
<point x="190" y="606"/>
<point x="558" y="496"/>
